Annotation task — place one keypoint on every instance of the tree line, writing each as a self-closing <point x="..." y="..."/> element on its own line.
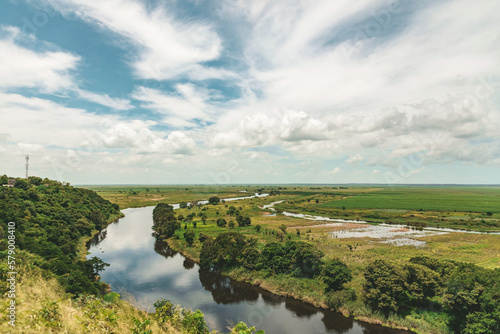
<point x="50" y="220"/>
<point x="469" y="294"/>
<point x="296" y="258"/>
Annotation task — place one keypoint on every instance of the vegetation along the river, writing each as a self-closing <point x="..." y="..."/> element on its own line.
<point x="57" y="290"/>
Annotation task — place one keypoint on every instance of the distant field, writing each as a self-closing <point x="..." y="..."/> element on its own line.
<point x="133" y="196"/>
<point x="464" y="199"/>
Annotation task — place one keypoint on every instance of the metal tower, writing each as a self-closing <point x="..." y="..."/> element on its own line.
<point x="27" y="158"/>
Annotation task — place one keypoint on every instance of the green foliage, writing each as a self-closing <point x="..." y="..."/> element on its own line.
<point x="385" y="286"/>
<point x="189" y="236"/>
<point x="164" y="310"/>
<point x="421" y="283"/>
<point x="21" y="184"/>
<point x="50" y="220"/>
<point x="51" y="314"/>
<point x="473" y="298"/>
<point x="164" y="222"/>
<point x="337" y="299"/>
<point x="141" y="326"/>
<point x="193" y="322"/>
<point x="243" y="220"/>
<point x="224" y="252"/>
<point x="183" y="205"/>
<point x="111" y="297"/>
<point x="202" y="237"/>
<point x="231" y="249"/>
<point x="335" y="274"/>
<point x="214" y="200"/>
<point x="221" y="222"/>
<point x="242" y="328"/>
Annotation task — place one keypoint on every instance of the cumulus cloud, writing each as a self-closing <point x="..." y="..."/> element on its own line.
<point x="141" y="139"/>
<point x="263" y="129"/>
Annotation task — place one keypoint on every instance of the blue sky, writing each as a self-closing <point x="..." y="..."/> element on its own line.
<point x="136" y="91"/>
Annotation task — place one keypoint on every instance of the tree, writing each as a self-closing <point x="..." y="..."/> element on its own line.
<point x="385" y="286"/>
<point x="224" y="252"/>
<point x="422" y="283"/>
<point x="203" y="237"/>
<point x="473" y="298"/>
<point x="258" y="228"/>
<point x="231" y="210"/>
<point x="283" y="228"/>
<point x="335" y="274"/>
<point x="35" y="180"/>
<point x="21" y="184"/>
<point x="183" y="205"/>
<point x="214" y="200"/>
<point x="247" y="221"/>
<point x="189" y="236"/>
<point x="221" y="222"/>
<point x="164" y="222"/>
<point x="231" y="224"/>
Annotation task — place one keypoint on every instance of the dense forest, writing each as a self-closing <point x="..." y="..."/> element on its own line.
<point x="51" y="219"/>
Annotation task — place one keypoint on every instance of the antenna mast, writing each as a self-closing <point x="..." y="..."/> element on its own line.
<point x="27" y="158"/>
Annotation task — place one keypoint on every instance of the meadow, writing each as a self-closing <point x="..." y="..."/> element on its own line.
<point x="134" y="196"/>
<point x="455" y="199"/>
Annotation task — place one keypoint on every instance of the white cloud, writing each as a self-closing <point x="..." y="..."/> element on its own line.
<point x="336" y="170"/>
<point x="141" y="139"/>
<point x="355" y="158"/>
<point x="166" y="46"/>
<point x="26" y="148"/>
<point x="48" y="70"/>
<point x="181" y="108"/>
<point x="263" y="129"/>
<point x="105" y="100"/>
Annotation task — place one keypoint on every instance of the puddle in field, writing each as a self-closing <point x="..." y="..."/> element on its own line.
<point x="398" y="235"/>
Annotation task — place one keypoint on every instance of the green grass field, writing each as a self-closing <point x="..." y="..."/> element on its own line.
<point x="460" y="199"/>
<point x="133" y="196"/>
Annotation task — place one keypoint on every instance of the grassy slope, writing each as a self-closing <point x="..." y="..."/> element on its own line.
<point x="42" y="306"/>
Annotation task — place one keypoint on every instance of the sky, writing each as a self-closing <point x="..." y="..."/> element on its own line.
<point x="263" y="91"/>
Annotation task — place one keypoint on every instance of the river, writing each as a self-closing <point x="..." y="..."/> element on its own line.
<point x="144" y="270"/>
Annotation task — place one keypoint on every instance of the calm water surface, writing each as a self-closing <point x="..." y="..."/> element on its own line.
<point x="145" y="270"/>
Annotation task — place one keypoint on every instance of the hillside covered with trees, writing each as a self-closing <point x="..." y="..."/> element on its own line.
<point x="50" y="221"/>
<point x="58" y="290"/>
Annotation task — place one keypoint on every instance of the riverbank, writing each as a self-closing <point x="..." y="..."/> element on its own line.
<point x="83" y="241"/>
<point x="298" y="289"/>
